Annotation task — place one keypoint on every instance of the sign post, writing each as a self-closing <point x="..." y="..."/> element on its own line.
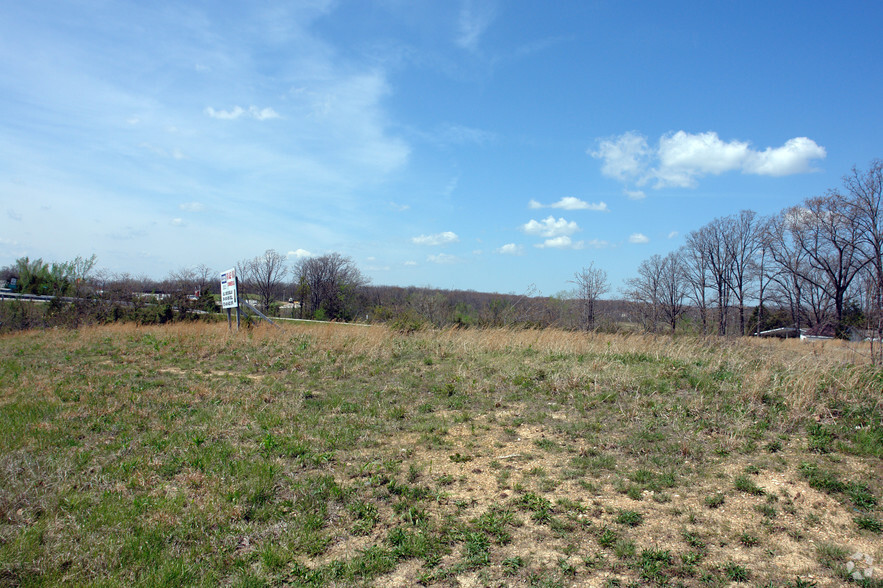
<point x="230" y="295"/>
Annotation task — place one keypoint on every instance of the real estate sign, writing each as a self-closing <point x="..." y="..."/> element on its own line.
<point x="229" y="298"/>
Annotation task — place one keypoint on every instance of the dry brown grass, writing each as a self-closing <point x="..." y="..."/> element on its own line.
<point x="191" y="454"/>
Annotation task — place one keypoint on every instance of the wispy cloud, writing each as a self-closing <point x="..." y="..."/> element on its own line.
<point x="463" y="135"/>
<point x="673" y="234"/>
<point x="443" y="258"/>
<point x="192" y="206"/>
<point x="238" y="112"/>
<point x="475" y="17"/>
<point x="571" y="203"/>
<point x="680" y="159"/>
<point x="444" y="238"/>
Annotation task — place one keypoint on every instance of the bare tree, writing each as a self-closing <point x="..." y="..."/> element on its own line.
<point x="741" y="239"/>
<point x="864" y="196"/>
<point x="710" y="242"/>
<point x="829" y="235"/>
<point x="645" y="291"/>
<point x="331" y="284"/>
<point x="591" y="283"/>
<point x="696" y="273"/>
<point x="673" y="288"/>
<point x="264" y="275"/>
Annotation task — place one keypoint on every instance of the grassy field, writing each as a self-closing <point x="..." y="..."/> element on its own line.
<point x="328" y="455"/>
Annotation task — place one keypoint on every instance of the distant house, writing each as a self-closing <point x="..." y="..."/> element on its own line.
<point x="815" y="334"/>
<point x="781" y="333"/>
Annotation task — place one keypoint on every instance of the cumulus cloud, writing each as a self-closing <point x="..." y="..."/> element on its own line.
<point x="634" y="194"/>
<point x="680" y="159"/>
<point x="571" y="203"/>
<point x="178" y="222"/>
<point x="299" y="253"/>
<point x="511" y="249"/>
<point x="437" y="239"/>
<point x="237" y="112"/>
<point x="562" y="242"/>
<point x="625" y="157"/>
<point x="550" y="227"/>
<point x="638" y="238"/>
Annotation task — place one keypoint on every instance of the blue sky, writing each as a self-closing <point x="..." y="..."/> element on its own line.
<point x="496" y="146"/>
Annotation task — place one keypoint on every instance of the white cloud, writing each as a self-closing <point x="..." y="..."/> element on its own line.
<point x="442" y="258"/>
<point x="262" y="113"/>
<point x="178" y="222"/>
<point x="571" y="203"/>
<point x="634" y="194"/>
<point x="625" y="157"/>
<point x="299" y="253"/>
<point x="792" y="158"/>
<point x="437" y="239"/>
<point x="550" y="228"/>
<point x="399" y="207"/>
<point x="225" y="114"/>
<point x="511" y="249"/>
<point x="410" y="263"/>
<point x="638" y="238"/>
<point x="673" y="234"/>
<point x="192" y="206"/>
<point x="681" y="158"/>
<point x="562" y="242"/>
<point x="237" y="112"/>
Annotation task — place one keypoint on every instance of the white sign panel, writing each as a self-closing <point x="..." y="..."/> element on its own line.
<point x="229" y="297"/>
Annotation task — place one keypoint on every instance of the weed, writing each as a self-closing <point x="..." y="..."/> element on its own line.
<point x="747" y="485"/>
<point x="693" y="540"/>
<point x="624" y="549"/>
<point x="748" y="540"/>
<point x="869" y="523"/>
<point x="511" y="565"/>
<point x="736" y="573"/>
<point x="630" y="518"/>
<point x="607" y="537"/>
<point x="655" y="565"/>
<point x="715" y="500"/>
<point x="831" y="554"/>
<point x="476" y="550"/>
<point x="819" y="438"/>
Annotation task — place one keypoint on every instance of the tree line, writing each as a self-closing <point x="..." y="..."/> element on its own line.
<point x="816" y="266"/>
